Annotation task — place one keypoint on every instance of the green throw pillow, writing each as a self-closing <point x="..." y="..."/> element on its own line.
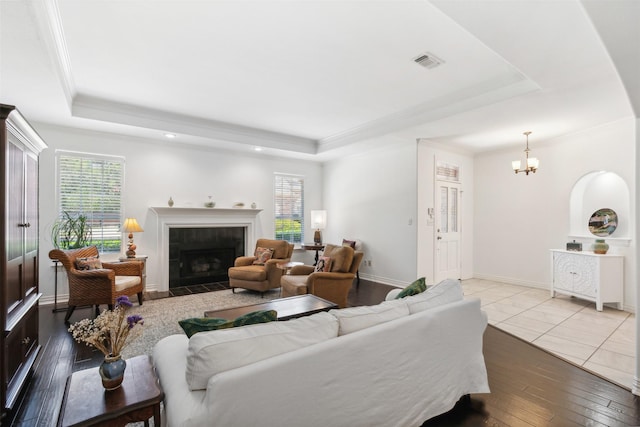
<point x="203" y="324"/>
<point x="413" y="289"/>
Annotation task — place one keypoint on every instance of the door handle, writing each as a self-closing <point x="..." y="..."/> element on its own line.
<point x="439" y="237"/>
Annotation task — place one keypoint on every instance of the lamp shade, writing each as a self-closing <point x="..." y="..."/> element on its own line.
<point x="318" y="220"/>
<point x="131" y="226"/>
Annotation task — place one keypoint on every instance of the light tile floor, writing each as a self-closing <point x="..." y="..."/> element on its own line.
<point x="602" y="342"/>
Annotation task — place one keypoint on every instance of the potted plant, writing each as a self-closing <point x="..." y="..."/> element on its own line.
<point x="71" y="231"/>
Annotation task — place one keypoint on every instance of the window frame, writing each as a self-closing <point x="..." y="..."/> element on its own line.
<point x="111" y="205"/>
<point x="296" y="205"/>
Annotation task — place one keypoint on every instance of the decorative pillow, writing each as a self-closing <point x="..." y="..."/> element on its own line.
<point x="341" y="258"/>
<point x="351" y="243"/>
<point x="214" y="352"/>
<point x="415" y="288"/>
<point x="88" y="263"/>
<point x="262" y="255"/>
<point x="204" y="324"/>
<point x="324" y="264"/>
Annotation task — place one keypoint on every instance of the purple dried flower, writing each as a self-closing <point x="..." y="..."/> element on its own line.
<point x="124" y="301"/>
<point x="134" y="319"/>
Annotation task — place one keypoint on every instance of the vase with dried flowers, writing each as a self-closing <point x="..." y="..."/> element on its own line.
<point x="110" y="332"/>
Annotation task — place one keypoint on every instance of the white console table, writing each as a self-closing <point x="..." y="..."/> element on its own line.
<point x="589" y="276"/>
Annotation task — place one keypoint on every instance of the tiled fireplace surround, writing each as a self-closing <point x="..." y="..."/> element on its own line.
<point x="177" y="217"/>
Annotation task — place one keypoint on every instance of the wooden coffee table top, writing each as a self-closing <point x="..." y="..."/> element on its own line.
<point x="287" y="308"/>
<point x="86" y="402"/>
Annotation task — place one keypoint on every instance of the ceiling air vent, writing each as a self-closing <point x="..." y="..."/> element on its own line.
<point x="428" y="60"/>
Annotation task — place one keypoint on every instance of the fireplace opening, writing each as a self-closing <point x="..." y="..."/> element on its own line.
<point x="203" y="255"/>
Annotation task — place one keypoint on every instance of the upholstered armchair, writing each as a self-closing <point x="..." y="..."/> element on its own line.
<point x="260" y="273"/>
<point x="332" y="285"/>
<point x="92" y="282"/>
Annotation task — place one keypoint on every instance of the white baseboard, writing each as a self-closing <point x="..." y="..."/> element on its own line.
<point x="513" y="281"/>
<point x="538" y="285"/>
<point x="383" y="280"/>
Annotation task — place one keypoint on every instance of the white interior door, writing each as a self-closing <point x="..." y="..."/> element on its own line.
<point x="448" y="233"/>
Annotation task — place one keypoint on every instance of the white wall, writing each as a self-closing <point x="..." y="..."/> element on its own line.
<point x="519" y="218"/>
<point x="156" y="170"/>
<point x="428" y="153"/>
<point x="372" y="197"/>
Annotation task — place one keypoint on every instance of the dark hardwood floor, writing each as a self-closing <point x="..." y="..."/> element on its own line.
<point x="529" y="387"/>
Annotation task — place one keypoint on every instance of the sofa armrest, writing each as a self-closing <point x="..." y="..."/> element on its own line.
<point x="301" y="270"/>
<point x="243" y="261"/>
<point x="126" y="268"/>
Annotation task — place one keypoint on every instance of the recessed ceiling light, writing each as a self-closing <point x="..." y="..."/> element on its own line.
<point x="257" y="148"/>
<point x="170" y="135"/>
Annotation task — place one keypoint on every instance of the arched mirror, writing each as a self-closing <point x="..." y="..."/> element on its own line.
<point x="603" y="222"/>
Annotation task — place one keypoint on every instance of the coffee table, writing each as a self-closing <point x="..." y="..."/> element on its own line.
<point x="287" y="308"/>
<point x="87" y="403"/>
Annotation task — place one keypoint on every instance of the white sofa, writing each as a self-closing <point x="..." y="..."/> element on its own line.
<point x="399" y="363"/>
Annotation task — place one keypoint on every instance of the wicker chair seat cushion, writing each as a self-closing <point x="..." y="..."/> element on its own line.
<point x="126" y="282"/>
<point x="255" y="273"/>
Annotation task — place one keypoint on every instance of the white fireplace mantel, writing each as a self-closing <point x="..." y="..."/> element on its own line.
<point x="200" y="217"/>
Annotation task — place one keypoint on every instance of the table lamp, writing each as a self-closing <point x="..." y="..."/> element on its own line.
<point x="131" y="226"/>
<point x="318" y="222"/>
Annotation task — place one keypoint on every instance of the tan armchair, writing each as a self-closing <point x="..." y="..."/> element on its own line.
<point x="245" y="274"/>
<point x="101" y="285"/>
<point x="333" y="285"/>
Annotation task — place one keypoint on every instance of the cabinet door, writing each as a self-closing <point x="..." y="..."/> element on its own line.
<point x="30" y="275"/>
<point x="586" y="278"/>
<point x="563" y="271"/>
<point x="14" y="229"/>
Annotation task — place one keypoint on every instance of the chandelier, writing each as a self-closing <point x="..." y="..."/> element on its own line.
<point x="531" y="162"/>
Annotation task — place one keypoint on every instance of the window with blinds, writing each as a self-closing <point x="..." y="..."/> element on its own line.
<point x="91" y="185"/>
<point x="289" y="208"/>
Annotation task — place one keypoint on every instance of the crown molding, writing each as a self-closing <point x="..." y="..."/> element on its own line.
<point x="491" y="91"/>
<point x="116" y="112"/>
<point x="49" y="24"/>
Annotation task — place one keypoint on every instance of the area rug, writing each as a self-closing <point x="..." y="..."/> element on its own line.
<point x="161" y="315"/>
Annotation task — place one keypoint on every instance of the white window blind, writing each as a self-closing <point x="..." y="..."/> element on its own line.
<point x="289" y="208"/>
<point x="91" y="185"/>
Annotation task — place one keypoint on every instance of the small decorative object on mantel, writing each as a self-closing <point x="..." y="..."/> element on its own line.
<point x="109" y="332"/>
<point x="238" y="205"/>
<point x="210" y="203"/>
<point x="574" y="246"/>
<point x="170" y="202"/>
<point x="253" y="205"/>
<point x="600" y="247"/>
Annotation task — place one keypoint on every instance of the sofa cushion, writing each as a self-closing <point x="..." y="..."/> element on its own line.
<point x="415" y="288"/>
<point x="341" y="258"/>
<point x="355" y="318"/>
<point x="254" y="273"/>
<point x="447" y="291"/>
<point x="262" y="255"/>
<point x="217" y="351"/>
<point x="126" y="282"/>
<point x="324" y="264"/>
<point x="88" y="263"/>
<point x="203" y="324"/>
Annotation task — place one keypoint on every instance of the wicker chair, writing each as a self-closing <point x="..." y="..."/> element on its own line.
<point x="98" y="286"/>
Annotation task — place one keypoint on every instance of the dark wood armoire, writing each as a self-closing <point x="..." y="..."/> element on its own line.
<point x="19" y="291"/>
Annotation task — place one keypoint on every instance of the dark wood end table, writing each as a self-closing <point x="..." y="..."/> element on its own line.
<point x="287" y="308"/>
<point x="87" y="403"/>
<point x="313" y="247"/>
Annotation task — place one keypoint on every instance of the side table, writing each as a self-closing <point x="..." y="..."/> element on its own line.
<point x="87" y="403"/>
<point x="313" y="247"/>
